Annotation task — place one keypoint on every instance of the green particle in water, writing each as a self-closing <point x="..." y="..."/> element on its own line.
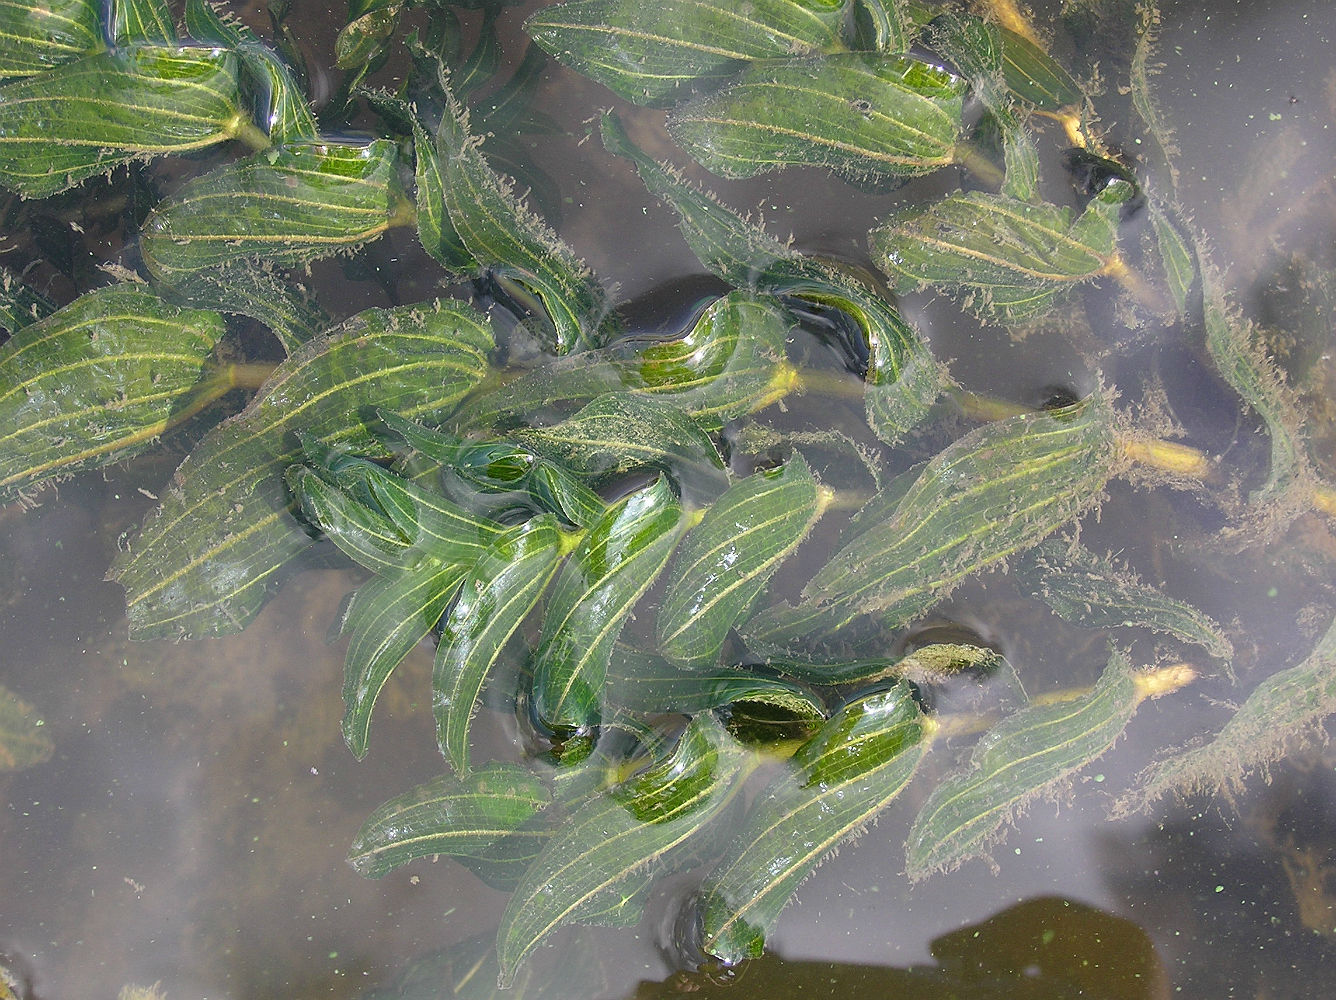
<point x="1273" y="592"/>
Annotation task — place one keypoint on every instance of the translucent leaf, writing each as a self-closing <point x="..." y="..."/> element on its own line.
<point x="299" y="204"/>
<point x="1176" y="257"/>
<point x="497" y="594"/>
<point x="635" y="828"/>
<point x="731" y="363"/>
<point x="1281" y="714"/>
<point x="644" y="684"/>
<point x="654" y="54"/>
<point x="1026" y="755"/>
<point x="930" y="664"/>
<point x="447" y="815"/>
<point x="727" y="559"/>
<point x="363" y="534"/>
<point x="281" y="107"/>
<point x="614" y="564"/>
<point x="1090" y="590"/>
<point x="501" y="476"/>
<point x="1009" y="260"/>
<point x="20" y="303"/>
<point x="505" y="238"/>
<point x="884" y="25"/>
<point x="87" y="116"/>
<point x="386" y="618"/>
<point x="1034" y="76"/>
<point x="362" y="39"/>
<point x="996" y="491"/>
<point x="136" y="21"/>
<point x="1234" y="347"/>
<point x="435" y="231"/>
<point x="204" y="563"/>
<point x="100" y="380"/>
<point x="256" y="290"/>
<point x="23" y="741"/>
<point x="834" y="787"/>
<point x="903" y="379"/>
<point x="860" y="114"/>
<point x="621" y="432"/>
<point x="41" y="34"/>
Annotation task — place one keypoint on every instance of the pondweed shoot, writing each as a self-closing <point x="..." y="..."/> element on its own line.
<point x="566" y="505"/>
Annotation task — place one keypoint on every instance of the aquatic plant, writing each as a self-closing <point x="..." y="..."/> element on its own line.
<point x="607" y="540"/>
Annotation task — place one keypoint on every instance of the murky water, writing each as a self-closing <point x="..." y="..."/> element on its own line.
<point x="191" y="827"/>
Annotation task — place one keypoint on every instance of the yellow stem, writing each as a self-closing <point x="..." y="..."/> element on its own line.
<point x="1168" y="456"/>
<point x="1007" y="14"/>
<point x="248" y="133"/>
<point x="985" y="170"/>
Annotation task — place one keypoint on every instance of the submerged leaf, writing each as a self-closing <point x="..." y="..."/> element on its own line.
<point x="1009" y="259"/>
<point x="614" y="564"/>
<point x="497" y="594"/>
<point x="835" y="786"/>
<point x="87" y="116"/>
<point x="303" y="203"/>
<point x="1026" y="755"/>
<point x="40" y="34"/>
<point x="996" y="491"/>
<point x="622" y="432"/>
<point x="618" y="840"/>
<point x="507" y="239"/>
<point x="644" y="684"/>
<point x="859" y="114"/>
<point x="1232" y="342"/>
<point x="457" y="817"/>
<point x="729" y="557"/>
<point x="23" y="741"/>
<point x="98" y="381"/>
<point x="203" y="565"/>
<point x="134" y="21"/>
<point x="1282" y="713"/>
<point x="1089" y="590"/>
<point x="650" y="53"/>
<point x="386" y="618"/>
<point x="903" y="379"/>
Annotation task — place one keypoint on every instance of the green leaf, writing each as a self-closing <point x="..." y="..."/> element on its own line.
<point x="731" y="363"/>
<point x="903" y="379"/>
<point x="652" y="54"/>
<point x="136" y="21"/>
<point x="996" y="491"/>
<point x="859" y="114"/>
<point x="457" y="817"/>
<point x="930" y="664"/>
<point x="435" y="232"/>
<point x="1009" y="260"/>
<point x="636" y="828"/>
<point x="505" y="238"/>
<point x="1026" y="755"/>
<point x="729" y="557"/>
<point x="41" y="34"/>
<point x="1234" y="346"/>
<point x="387" y="617"/>
<point x="884" y="25"/>
<point x="1283" y="713"/>
<point x="20" y="303"/>
<point x="622" y="432"/>
<point x="614" y="564"/>
<point x="644" y="684"/>
<point x="256" y="290"/>
<point x="1034" y="76"/>
<point x="23" y="741"/>
<point x="299" y="204"/>
<point x="498" y="593"/>
<point x="837" y="783"/>
<point x="282" y="111"/>
<point x="85" y="117"/>
<point x="1176" y="256"/>
<point x="204" y="563"/>
<point x="1089" y="590"/>
<point x="100" y="380"/>
<point x="364" y="535"/>
<point x="363" y="38"/>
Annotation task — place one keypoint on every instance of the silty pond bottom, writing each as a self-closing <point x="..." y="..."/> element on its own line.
<point x="191" y="825"/>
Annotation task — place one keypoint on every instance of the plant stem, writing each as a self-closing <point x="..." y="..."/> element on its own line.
<point x="985" y="170"/>
<point x="249" y="134"/>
